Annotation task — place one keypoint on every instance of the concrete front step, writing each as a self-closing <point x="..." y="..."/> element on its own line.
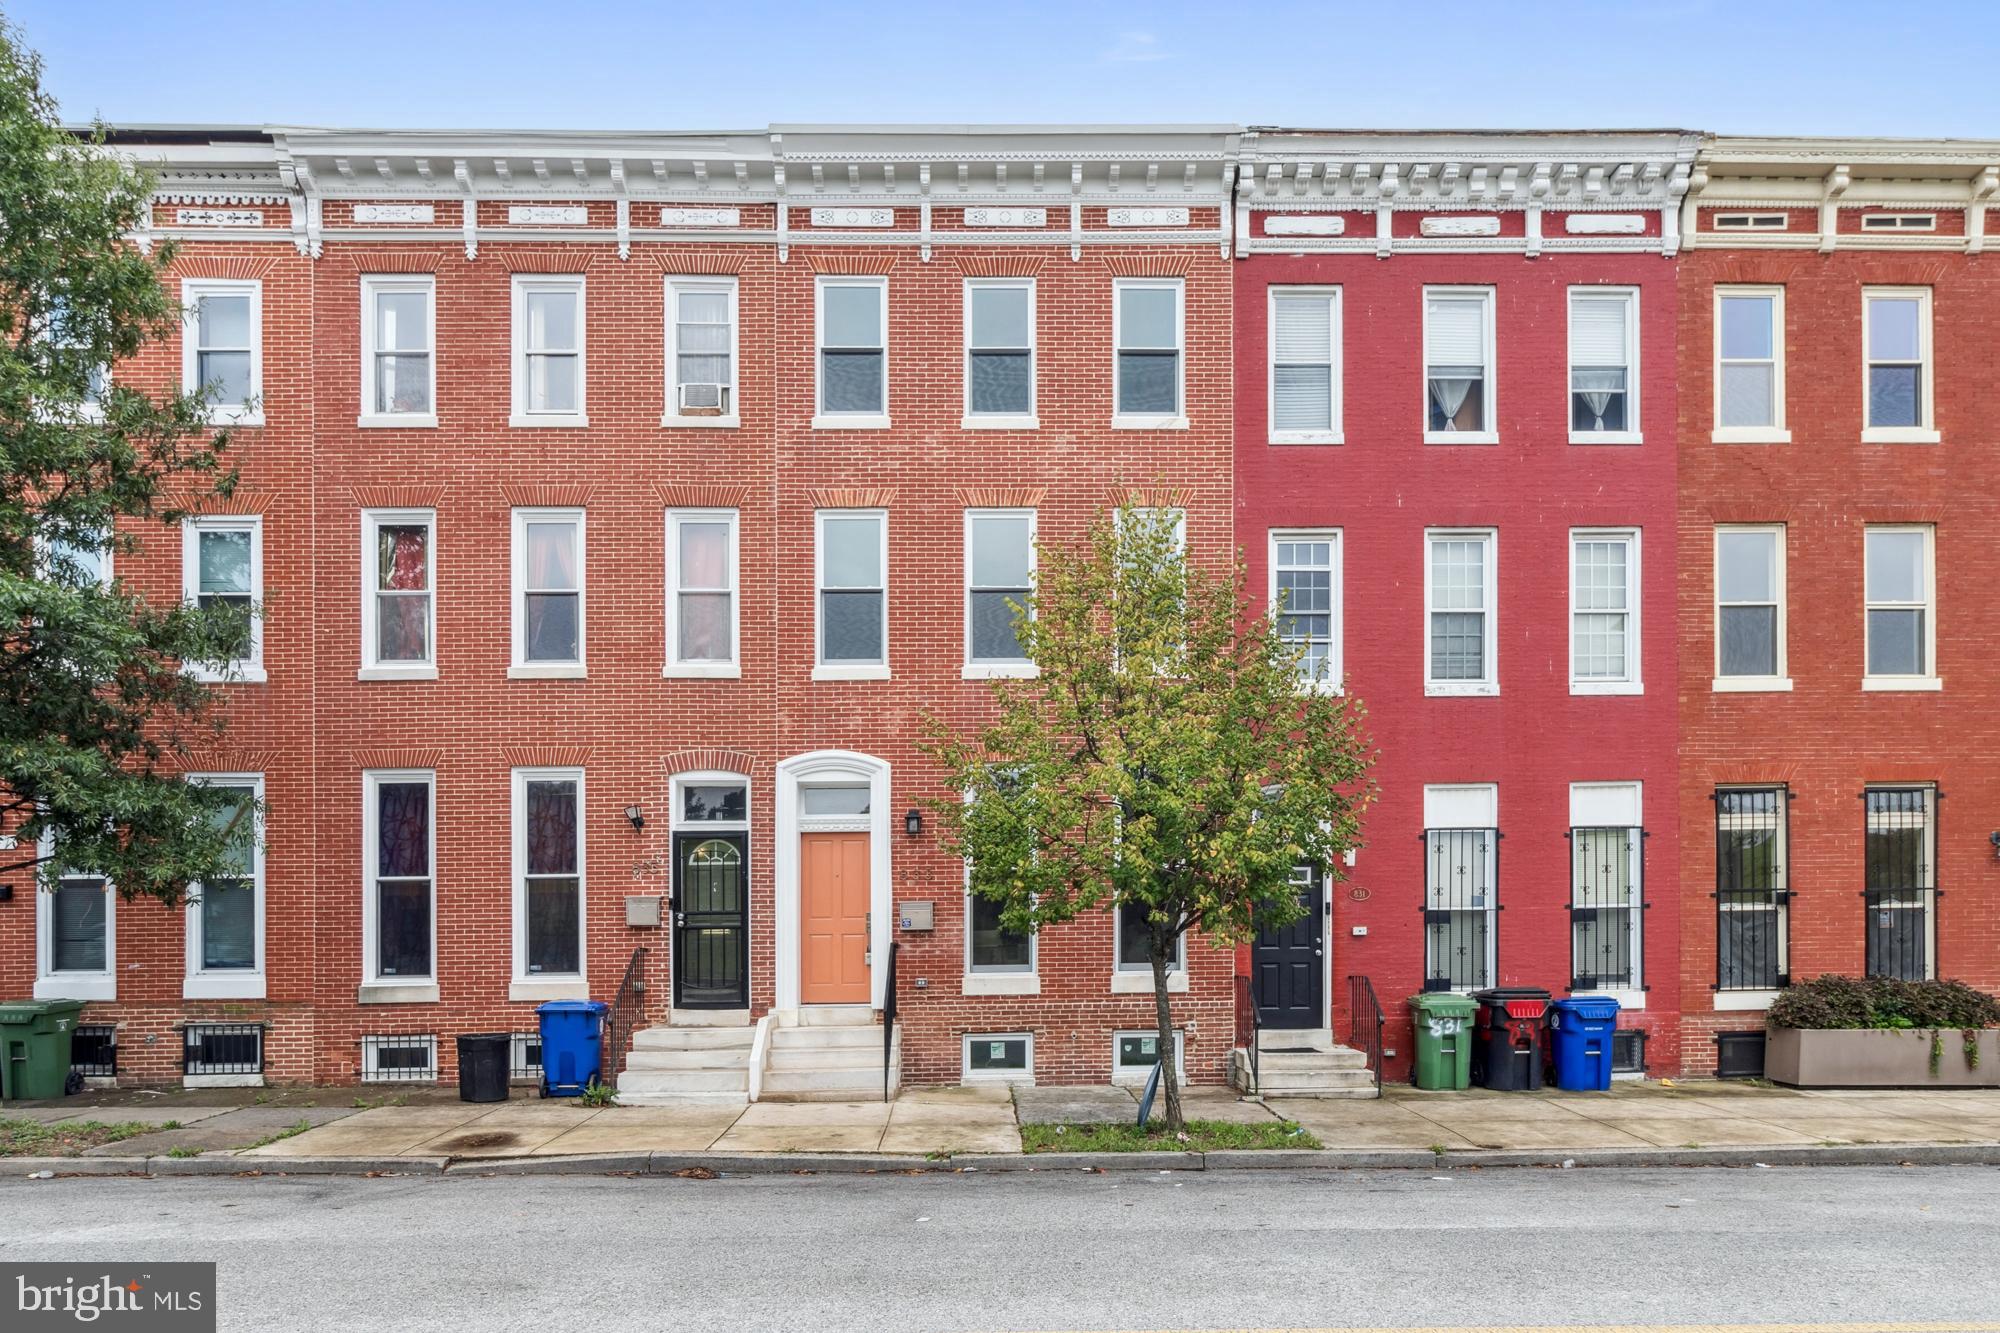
<point x="827" y="1057"/>
<point x="695" y="1038"/>
<point x="685" y="1082"/>
<point x="826" y="1085"/>
<point x="701" y="1057"/>
<point x="1366" y="1092"/>
<point x="1341" y="1057"/>
<point x="1341" y="1072"/>
<point x="1291" y="1039"/>
<point x="825" y="1038"/>
<point x="835" y="1015"/>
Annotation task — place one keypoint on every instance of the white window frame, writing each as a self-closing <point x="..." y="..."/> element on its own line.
<point x="1929" y="679"/>
<point x="1633" y="682"/>
<point x="45" y="551"/>
<point x="846" y="670"/>
<point x="1332" y="681"/>
<point x="670" y="414"/>
<point x="1334" y="433"/>
<point x="675" y="668"/>
<point x="1614" y="805"/>
<point x="1634" y="432"/>
<point x="1178" y="419"/>
<point x="990" y="980"/>
<point x="1138" y="1074"/>
<point x="373" y="287"/>
<point x="1777" y="432"/>
<point x="523" y="284"/>
<point x="192" y="290"/>
<point x="1016" y="669"/>
<point x="372" y="521"/>
<point x="1024" y="1078"/>
<point x="53" y="985"/>
<point x="232" y="983"/>
<point x="1490" y="598"/>
<point x="1031" y="419"/>
<point x="376" y="988"/>
<point x="1136" y="978"/>
<point x="823" y="419"/>
<point x="1490" y="384"/>
<point x="526" y="985"/>
<point x="1925" y="431"/>
<point x="1722" y="684"/>
<point x="244" y="670"/>
<point x="522" y="668"/>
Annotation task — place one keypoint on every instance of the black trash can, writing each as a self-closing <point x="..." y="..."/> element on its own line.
<point x="482" y="1066"/>
<point x="1507" y="1045"/>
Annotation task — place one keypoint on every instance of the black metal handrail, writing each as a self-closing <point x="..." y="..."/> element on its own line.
<point x="626" y="1010"/>
<point x="1248" y="1026"/>
<point x="889" y="1016"/>
<point x="1364" y="1024"/>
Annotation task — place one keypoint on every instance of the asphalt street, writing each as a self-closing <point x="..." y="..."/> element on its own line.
<point x="1055" y="1251"/>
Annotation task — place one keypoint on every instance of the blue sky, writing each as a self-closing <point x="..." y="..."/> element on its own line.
<point x="1739" y="66"/>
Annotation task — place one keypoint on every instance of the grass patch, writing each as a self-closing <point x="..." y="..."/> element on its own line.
<point x="301" y="1127"/>
<point x="1200" y="1136"/>
<point x="31" y="1138"/>
<point x="183" y="1150"/>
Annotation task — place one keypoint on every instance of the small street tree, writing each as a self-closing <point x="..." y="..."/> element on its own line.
<point x="1166" y="759"/>
<point x="93" y="703"/>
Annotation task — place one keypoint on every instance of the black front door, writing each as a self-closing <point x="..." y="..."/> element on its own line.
<point x="1288" y="964"/>
<point x="711" y="906"/>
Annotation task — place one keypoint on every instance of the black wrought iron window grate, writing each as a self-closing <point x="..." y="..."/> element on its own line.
<point x="1461" y="898"/>
<point x="1900" y="890"/>
<point x="1607" y="907"/>
<point x="222" y="1048"/>
<point x="1628" y="1051"/>
<point x="1752" y="889"/>
<point x="525" y="1062"/>
<point x="404" y="1058"/>
<point x="93" y="1051"/>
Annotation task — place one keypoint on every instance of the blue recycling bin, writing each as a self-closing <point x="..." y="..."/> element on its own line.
<point x="572" y="1045"/>
<point x="1582" y="1027"/>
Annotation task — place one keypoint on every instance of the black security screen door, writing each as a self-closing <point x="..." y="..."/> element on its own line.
<point x="711" y="921"/>
<point x="1289" y="963"/>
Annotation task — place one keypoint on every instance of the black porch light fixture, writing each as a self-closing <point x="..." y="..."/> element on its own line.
<point x="635" y="817"/>
<point x="913" y="822"/>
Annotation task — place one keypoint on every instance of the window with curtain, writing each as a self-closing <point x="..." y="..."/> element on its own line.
<point x="999" y="564"/>
<point x="550" y="587"/>
<point x="853" y="589"/>
<point x="1457" y="359"/>
<point x="1601" y="325"/>
<point x="401" y="574"/>
<point x="1000" y="347"/>
<point x="551" y="912"/>
<point x="701" y="580"/>
<point x="702" y="324"/>
<point x="1148" y="318"/>
<point x="853" y="346"/>
<point x="1305" y="336"/>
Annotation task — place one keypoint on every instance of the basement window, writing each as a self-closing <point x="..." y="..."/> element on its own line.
<point x="999" y="1057"/>
<point x="1628" y="1051"/>
<point x="1750" y="222"/>
<point x="406" y="1058"/>
<point x="223" y="1051"/>
<point x="93" y="1051"/>
<point x="1133" y="1055"/>
<point x="524" y="1063"/>
<point x="1739" y="1054"/>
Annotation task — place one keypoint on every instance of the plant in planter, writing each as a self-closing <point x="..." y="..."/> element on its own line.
<point x="1838" y="1031"/>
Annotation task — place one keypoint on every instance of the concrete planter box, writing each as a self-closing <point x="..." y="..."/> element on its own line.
<point x="1867" y="1058"/>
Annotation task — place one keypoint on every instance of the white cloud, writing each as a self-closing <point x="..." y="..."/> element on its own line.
<point x="1135" y="48"/>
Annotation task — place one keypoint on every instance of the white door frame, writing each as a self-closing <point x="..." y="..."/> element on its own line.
<point x="825" y="768"/>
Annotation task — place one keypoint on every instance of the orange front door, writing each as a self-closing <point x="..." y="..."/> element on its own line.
<point x="833" y="894"/>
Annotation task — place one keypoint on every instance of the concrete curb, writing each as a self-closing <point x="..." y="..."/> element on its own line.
<point x="220" y="1165"/>
<point x="1103" y="1161"/>
<point x="75" y="1166"/>
<point x="667" y="1163"/>
<point x="580" y="1164"/>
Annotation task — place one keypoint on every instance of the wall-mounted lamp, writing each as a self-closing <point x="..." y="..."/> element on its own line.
<point x="913" y="823"/>
<point x="636" y="817"/>
<point x="1994" y="838"/>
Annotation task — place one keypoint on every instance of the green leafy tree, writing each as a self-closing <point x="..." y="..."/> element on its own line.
<point x="1166" y="757"/>
<point x="93" y="704"/>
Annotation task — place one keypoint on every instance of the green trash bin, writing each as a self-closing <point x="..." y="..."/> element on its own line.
<point x="34" y="1041"/>
<point x="1444" y="1039"/>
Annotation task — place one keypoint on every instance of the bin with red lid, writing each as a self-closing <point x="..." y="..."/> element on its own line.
<point x="1507" y="1042"/>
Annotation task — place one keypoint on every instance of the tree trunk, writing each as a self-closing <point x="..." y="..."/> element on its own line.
<point x="1170" y="1082"/>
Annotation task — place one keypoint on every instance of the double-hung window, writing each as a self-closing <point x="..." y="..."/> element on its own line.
<point x="1750" y="607"/>
<point x="548" y="592"/>
<point x="853" y="575"/>
<point x="1604" y="611"/>
<point x="548" y="351"/>
<point x="701" y="592"/>
<point x="1752" y="892"/>
<point x="1305" y="365"/>
<point x="1458" y="366"/>
<point x="1896" y="332"/>
<point x="76" y="937"/>
<point x="1134" y="960"/>
<point x="1900" y="886"/>
<point x="1147" y="333"/>
<point x="1901" y="594"/>
<point x="222" y="347"/>
<point x="222" y="570"/>
<point x="701" y="352"/>
<point x="399" y="903"/>
<point x="1461" y="886"/>
<point x="548" y="884"/>
<point x="1607" y="901"/>
<point x="853" y="353"/>
<point x="1305" y="601"/>
<point x="398" y="597"/>
<point x="1461" y="590"/>
<point x="1000" y="352"/>
<point x="1603" y="365"/>
<point x="398" y="342"/>
<point x="1750" y="365"/>
<point x="225" y="912"/>
<point x="999" y="577"/>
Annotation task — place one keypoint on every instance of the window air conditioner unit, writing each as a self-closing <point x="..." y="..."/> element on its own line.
<point x="704" y="398"/>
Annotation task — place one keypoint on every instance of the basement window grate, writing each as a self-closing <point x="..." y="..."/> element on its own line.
<point x="1739" y="1055"/>
<point x="222" y="1048"/>
<point x="404" y="1058"/>
<point x="525" y="1063"/>
<point x="1628" y="1051"/>
<point x="93" y="1051"/>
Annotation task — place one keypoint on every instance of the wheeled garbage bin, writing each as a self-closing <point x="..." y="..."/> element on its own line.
<point x="1443" y="1023"/>
<point x="482" y="1065"/>
<point x="1507" y="1043"/>
<point x="1580" y="1030"/>
<point x="572" y="1045"/>
<point x="34" y="1040"/>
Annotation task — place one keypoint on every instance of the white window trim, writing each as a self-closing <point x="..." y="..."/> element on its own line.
<point x="1147" y="420"/>
<point x="1930" y="680"/>
<point x="1137" y="978"/>
<point x="670" y="414"/>
<point x="1634" y="682"/>
<point x="526" y="985"/>
<point x="1926" y="431"/>
<point x="376" y="988"/>
<point x="998" y="980"/>
<point x="1491" y="602"/>
<point x="232" y="983"/>
<point x="522" y="668"/>
<point x="1015" y="670"/>
<point x="1121" y="1074"/>
<point x="852" y="670"/>
<point x="548" y="282"/>
<point x="107" y="554"/>
<point x="1334" y="433"/>
<point x="192" y="289"/>
<point x="372" y="287"/>
<point x="1634" y="432"/>
<point x="1582" y="797"/>
<point x="1722" y="684"/>
<point x="372" y="520"/>
<point x="1016" y="1077"/>
<point x="371" y="1071"/>
<point x="1333" y="681"/>
<point x="246" y="670"/>
<point x="1490" y="385"/>
<point x="823" y="419"/>
<point x="1777" y="432"/>
<point x="53" y="985"/>
<point x="674" y="668"/>
<point x="1031" y="419"/>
